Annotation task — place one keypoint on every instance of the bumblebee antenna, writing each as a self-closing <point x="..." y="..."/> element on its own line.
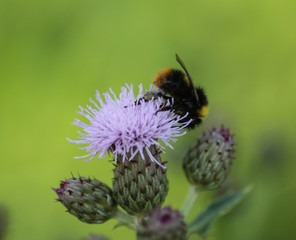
<point x="188" y="75"/>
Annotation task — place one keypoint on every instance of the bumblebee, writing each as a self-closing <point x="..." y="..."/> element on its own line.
<point x="187" y="99"/>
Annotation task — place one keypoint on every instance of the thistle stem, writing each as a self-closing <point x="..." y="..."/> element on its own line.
<point x="190" y="200"/>
<point x="125" y="219"/>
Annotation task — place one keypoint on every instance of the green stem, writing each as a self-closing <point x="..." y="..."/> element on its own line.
<point x="190" y="200"/>
<point x="124" y="218"/>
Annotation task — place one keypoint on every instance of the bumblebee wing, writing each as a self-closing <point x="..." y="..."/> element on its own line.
<point x="189" y="77"/>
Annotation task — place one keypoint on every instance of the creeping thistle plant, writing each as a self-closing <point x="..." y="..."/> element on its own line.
<point x="136" y="130"/>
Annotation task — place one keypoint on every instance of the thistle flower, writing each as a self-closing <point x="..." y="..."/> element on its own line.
<point x="162" y="224"/>
<point x="127" y="126"/>
<point x="90" y="200"/>
<point x="208" y="162"/>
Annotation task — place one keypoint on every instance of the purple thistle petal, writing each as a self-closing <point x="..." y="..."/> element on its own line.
<point x="126" y="126"/>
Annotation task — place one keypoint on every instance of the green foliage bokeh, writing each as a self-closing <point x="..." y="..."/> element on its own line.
<point x="55" y="54"/>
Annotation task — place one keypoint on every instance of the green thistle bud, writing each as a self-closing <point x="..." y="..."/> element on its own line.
<point x="90" y="200"/>
<point x="162" y="224"/>
<point x="208" y="161"/>
<point x="140" y="186"/>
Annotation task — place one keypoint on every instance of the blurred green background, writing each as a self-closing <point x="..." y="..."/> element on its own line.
<point x="55" y="54"/>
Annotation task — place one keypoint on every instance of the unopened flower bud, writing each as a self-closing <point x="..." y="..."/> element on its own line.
<point x="208" y="161"/>
<point x="162" y="224"/>
<point x="90" y="200"/>
<point x="140" y="186"/>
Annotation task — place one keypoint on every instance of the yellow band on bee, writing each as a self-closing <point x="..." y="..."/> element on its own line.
<point x="203" y="112"/>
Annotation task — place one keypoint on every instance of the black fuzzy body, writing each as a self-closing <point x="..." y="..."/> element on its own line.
<point x="175" y="84"/>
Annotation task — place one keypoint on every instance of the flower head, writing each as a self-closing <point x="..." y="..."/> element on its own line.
<point x="127" y="125"/>
<point x="162" y="224"/>
<point x="140" y="186"/>
<point x="90" y="200"/>
<point x="208" y="162"/>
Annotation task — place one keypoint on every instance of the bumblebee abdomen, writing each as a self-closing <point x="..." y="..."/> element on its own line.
<point x="203" y="111"/>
